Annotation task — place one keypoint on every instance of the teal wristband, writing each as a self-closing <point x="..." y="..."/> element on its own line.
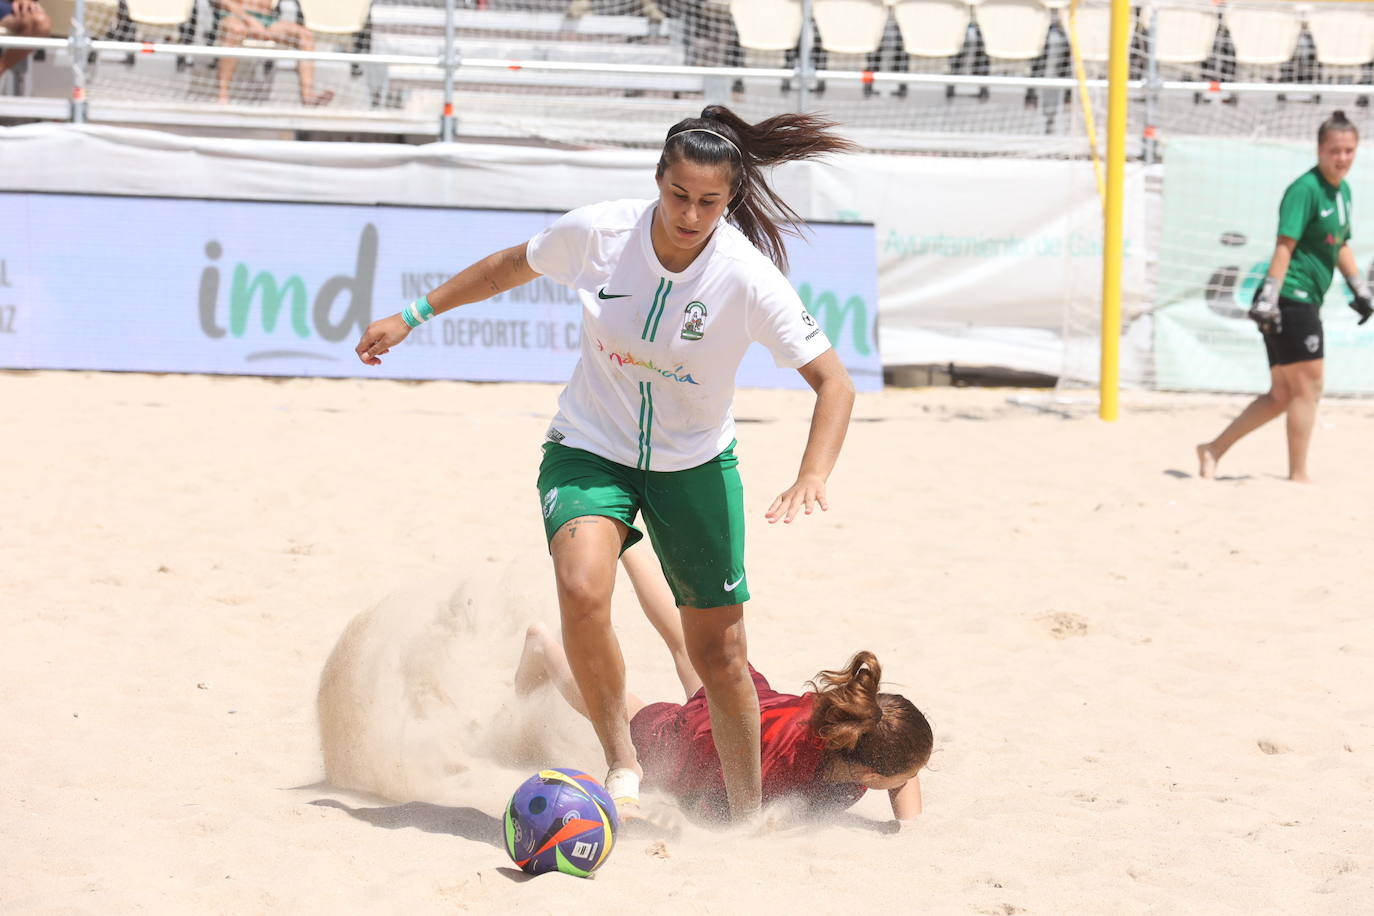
<point x="409" y="317"/>
<point x="424" y="309"/>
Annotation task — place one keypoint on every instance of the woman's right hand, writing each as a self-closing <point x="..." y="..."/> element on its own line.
<point x="380" y="336"/>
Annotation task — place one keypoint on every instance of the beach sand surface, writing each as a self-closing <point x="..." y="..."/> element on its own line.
<point x="1150" y="693"/>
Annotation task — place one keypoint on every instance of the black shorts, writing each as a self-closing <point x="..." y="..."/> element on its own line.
<point x="1301" y="339"/>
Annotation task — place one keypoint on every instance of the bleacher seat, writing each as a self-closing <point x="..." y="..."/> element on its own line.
<point x="520" y="35"/>
<point x="932" y="28"/>
<point x="1344" y="38"/>
<point x="167" y="13"/>
<point x="850" y="26"/>
<point x="850" y="32"/>
<point x="767" y="29"/>
<point x="1184" y="35"/>
<point x="337" y="18"/>
<point x="1093" y="23"/>
<point x="1013" y="30"/>
<point x="1263" y="37"/>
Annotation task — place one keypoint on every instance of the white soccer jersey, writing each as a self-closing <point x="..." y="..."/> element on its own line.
<point x="654" y="384"/>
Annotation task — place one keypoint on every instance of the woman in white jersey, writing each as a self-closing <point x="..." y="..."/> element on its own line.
<point x="674" y="290"/>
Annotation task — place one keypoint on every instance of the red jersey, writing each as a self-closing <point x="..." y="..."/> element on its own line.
<point x="678" y="754"/>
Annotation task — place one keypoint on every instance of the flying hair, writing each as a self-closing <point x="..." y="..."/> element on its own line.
<point x="1337" y="121"/>
<point x="883" y="732"/>
<point x="721" y="137"/>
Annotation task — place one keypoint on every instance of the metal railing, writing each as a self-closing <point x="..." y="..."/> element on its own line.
<point x="448" y="63"/>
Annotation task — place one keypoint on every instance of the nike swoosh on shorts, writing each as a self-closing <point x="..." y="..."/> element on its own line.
<point x="602" y="294"/>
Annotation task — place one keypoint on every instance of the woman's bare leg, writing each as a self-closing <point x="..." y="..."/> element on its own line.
<point x="542" y="660"/>
<point x="232" y="31"/>
<point x="657" y="601"/>
<point x="584" y="557"/>
<point x="1305" y="381"/>
<point x="299" y="37"/>
<point x="1257" y="413"/>
<point x="716" y="644"/>
<point x="33" y="25"/>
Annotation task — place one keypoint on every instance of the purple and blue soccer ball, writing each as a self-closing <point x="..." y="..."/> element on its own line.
<point x="560" y="820"/>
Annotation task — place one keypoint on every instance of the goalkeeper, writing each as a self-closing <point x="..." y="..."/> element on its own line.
<point x="1314" y="239"/>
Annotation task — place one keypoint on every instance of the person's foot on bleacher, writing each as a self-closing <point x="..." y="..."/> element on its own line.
<point x="578" y="8"/>
<point x="652" y="12"/>
<point x="320" y="99"/>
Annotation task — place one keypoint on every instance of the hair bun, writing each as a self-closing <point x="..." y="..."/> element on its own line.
<point x="1338" y="115"/>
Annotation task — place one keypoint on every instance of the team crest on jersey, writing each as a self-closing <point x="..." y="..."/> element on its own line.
<point x="693" y="320"/>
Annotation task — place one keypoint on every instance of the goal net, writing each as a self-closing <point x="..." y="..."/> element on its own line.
<point x="1225" y="116"/>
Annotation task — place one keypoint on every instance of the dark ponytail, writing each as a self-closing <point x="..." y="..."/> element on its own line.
<point x="1337" y="121"/>
<point x="882" y="732"/>
<point x="747" y="149"/>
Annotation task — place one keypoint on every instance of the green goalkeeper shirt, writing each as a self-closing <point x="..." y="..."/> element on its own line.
<point x="1317" y="215"/>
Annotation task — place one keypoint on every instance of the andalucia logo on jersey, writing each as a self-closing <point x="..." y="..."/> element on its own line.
<point x="692" y="320"/>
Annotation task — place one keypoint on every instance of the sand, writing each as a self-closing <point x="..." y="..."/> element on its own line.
<point x="1150" y="693"/>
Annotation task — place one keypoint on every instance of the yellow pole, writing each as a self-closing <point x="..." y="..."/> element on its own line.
<point x="1117" y="75"/>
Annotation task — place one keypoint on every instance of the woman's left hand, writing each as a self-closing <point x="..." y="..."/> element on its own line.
<point x="803" y="496"/>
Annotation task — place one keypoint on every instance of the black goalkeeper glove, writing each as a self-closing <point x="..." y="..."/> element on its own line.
<point x="1264" y="308"/>
<point x="1362" y="303"/>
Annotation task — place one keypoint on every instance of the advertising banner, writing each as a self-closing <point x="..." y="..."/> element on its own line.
<point x="1221" y="211"/>
<point x="255" y="288"/>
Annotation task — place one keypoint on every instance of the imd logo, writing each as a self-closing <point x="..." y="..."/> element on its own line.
<point x="284" y="306"/>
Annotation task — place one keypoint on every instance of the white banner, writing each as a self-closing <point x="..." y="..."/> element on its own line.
<point x="978" y="259"/>
<point x="237" y="287"/>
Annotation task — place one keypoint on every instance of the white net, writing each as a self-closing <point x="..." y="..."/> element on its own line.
<point x="189" y="83"/>
<point x="1228" y="121"/>
<point x="598" y="72"/>
<point x="1224" y="105"/>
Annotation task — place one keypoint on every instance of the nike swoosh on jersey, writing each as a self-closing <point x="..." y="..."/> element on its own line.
<point x="602" y="294"/>
<point x="731" y="586"/>
<point x="1326" y="213"/>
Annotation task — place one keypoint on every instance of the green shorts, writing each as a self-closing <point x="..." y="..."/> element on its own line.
<point x="695" y="517"/>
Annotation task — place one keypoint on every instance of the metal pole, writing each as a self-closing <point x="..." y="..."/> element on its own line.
<point x="79" y="46"/>
<point x="804" y="56"/>
<point x="1151" y="90"/>
<point x="1117" y="73"/>
<point x="447" y="121"/>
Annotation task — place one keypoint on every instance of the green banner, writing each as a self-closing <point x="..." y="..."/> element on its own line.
<point x="1221" y="211"/>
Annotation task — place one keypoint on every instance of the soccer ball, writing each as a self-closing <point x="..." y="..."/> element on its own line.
<point x="560" y="820"/>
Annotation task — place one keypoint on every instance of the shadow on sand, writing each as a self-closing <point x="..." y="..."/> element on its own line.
<point x="468" y="823"/>
<point x="1184" y="475"/>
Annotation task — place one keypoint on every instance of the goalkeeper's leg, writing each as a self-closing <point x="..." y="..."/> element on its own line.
<point x="1305" y="381"/>
<point x="1257" y="413"/>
